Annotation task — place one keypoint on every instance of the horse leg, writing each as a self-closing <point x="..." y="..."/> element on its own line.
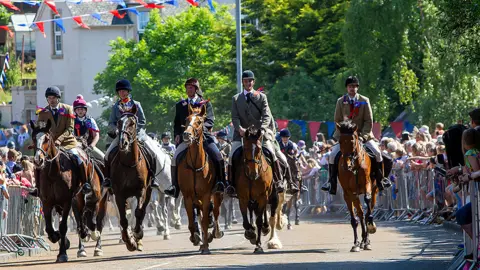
<point x="275" y="208"/>
<point x="53" y="236"/>
<point x="194" y="235"/>
<point x="78" y="205"/>
<point x="297" y="216"/>
<point x="81" y="249"/>
<point x="176" y="212"/>
<point x="127" y="235"/>
<point x="102" y="211"/>
<point x="370" y="200"/>
<point x="205" y="225"/>
<point x="217" y="202"/>
<point x="354" y="223"/>
<point x="265" y="225"/>
<point x="286" y="209"/>
<point x="140" y="215"/>
<point x="63" y="227"/>
<point x="358" y="205"/>
<point x="249" y="233"/>
<point x="279" y="215"/>
<point x="259" y="222"/>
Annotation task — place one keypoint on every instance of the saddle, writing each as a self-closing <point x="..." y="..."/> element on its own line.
<point x="387" y="161"/>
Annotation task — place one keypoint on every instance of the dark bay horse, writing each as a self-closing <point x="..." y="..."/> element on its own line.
<point x="130" y="178"/>
<point x="293" y="201"/>
<point x="58" y="184"/>
<point x="255" y="190"/>
<point x="354" y="176"/>
<point x="196" y="179"/>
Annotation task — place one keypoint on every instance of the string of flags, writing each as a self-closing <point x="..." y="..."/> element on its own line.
<point x="6" y="66"/>
<point x="118" y="13"/>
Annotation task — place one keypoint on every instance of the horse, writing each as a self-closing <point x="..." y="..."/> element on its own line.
<point x="255" y="190"/>
<point x="294" y="200"/>
<point x="354" y="169"/>
<point x="58" y="185"/>
<point x="196" y="179"/>
<point x="130" y="178"/>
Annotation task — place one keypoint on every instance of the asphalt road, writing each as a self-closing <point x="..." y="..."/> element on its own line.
<point x="314" y="244"/>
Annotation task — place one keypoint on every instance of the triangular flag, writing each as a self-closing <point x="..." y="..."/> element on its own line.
<point x="172" y="2"/>
<point x="314" y="127"/>
<point x="193" y="3"/>
<point x="210" y="5"/>
<point x="76" y="2"/>
<point x="133" y="10"/>
<point x="8" y="4"/>
<point x="51" y="5"/>
<point x="79" y="21"/>
<point x="117" y="14"/>
<point x="59" y="23"/>
<point x="153" y="5"/>
<point x="377" y="130"/>
<point x="141" y="2"/>
<point x="397" y="128"/>
<point x="41" y="27"/>
<point x="98" y="17"/>
<point x="7" y="61"/>
<point x="303" y="126"/>
<point x="330" y="128"/>
<point x="261" y="89"/>
<point x="282" y="123"/>
<point x="6" y="28"/>
<point x="31" y="3"/>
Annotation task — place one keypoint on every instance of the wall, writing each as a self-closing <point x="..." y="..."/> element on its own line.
<point x="6" y="111"/>
<point x="24" y="102"/>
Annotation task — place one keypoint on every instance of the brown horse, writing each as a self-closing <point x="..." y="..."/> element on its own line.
<point x="354" y="176"/>
<point x="293" y="201"/>
<point x="58" y="184"/>
<point x="196" y="179"/>
<point x="130" y="176"/>
<point x="255" y="190"/>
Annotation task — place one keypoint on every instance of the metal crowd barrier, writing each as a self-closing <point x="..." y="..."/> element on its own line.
<point x="22" y="225"/>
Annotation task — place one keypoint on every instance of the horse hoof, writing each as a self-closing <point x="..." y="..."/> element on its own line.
<point x="160" y="229"/>
<point x="195" y="239"/>
<point x="205" y="251"/>
<point x="210" y="237"/>
<point x="166" y="237"/>
<point x="265" y="231"/>
<point x="274" y="245"/>
<point x="81" y="254"/>
<point x="250" y="235"/>
<point x="139" y="245"/>
<point x="67" y="243"/>
<point x="62" y="258"/>
<point x="371" y="228"/>
<point x="218" y="234"/>
<point x="289" y="226"/>
<point x="131" y="245"/>
<point x="297" y="222"/>
<point x="258" y="250"/>
<point x="54" y="237"/>
<point x="355" y="249"/>
<point x="138" y="235"/>
<point x="98" y="252"/>
<point x="367" y="247"/>
<point x="178" y="226"/>
<point x="95" y="235"/>
<point x="234" y="221"/>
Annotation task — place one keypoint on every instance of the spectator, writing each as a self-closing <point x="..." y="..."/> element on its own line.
<point x="28" y="170"/>
<point x="438" y="130"/>
<point x="4" y="196"/>
<point x="22" y="137"/>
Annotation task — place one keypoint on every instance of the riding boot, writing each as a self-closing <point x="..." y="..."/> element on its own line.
<point x="107" y="183"/>
<point x="174" y="189"/>
<point x="292" y="186"/>
<point x="278" y="177"/>
<point x="382" y="182"/>
<point x="230" y="184"/>
<point x="220" y="178"/>
<point x="82" y="172"/>
<point x="331" y="185"/>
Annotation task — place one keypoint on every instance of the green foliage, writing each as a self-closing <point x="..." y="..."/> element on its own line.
<point x="195" y="43"/>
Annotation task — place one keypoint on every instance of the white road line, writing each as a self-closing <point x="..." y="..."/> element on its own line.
<point x="155" y="266"/>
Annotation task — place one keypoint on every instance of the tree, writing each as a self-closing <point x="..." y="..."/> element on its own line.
<point x="195" y="43"/>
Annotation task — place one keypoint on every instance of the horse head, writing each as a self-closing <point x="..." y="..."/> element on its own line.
<point x="43" y="143"/>
<point x="194" y="124"/>
<point x="348" y="142"/>
<point x="127" y="127"/>
<point x="252" y="152"/>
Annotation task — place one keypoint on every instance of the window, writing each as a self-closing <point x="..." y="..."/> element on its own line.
<point x="57" y="38"/>
<point x="142" y="20"/>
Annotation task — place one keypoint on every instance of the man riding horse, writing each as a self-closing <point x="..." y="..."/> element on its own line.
<point x="251" y="108"/>
<point x="357" y="108"/>
<point x="86" y="128"/>
<point x="123" y="106"/>
<point x="62" y="127"/>
<point x="195" y="96"/>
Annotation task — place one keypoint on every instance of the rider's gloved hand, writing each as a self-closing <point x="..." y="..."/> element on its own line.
<point x="112" y="134"/>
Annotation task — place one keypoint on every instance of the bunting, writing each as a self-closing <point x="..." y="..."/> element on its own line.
<point x="41" y="27"/>
<point x="59" y="23"/>
<point x="330" y="128"/>
<point x="397" y="128"/>
<point x="9" y="4"/>
<point x="193" y="3"/>
<point x="80" y="22"/>
<point x="408" y="127"/>
<point x="51" y="5"/>
<point x="6" y="28"/>
<point x="314" y="128"/>
<point x="282" y="123"/>
<point x="117" y="14"/>
<point x="303" y="126"/>
<point x="210" y="5"/>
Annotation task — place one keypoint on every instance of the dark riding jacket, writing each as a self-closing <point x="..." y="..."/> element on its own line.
<point x="181" y="114"/>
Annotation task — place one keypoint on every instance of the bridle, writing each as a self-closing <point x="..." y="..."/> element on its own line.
<point x="258" y="161"/>
<point x="354" y="155"/>
<point x="197" y="132"/>
<point x="124" y="131"/>
<point x="45" y="154"/>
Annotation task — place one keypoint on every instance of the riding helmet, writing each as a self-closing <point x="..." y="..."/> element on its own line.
<point x="352" y="79"/>
<point x="53" y="91"/>
<point x="248" y="74"/>
<point x="123" y="85"/>
<point x="166" y="135"/>
<point x="285" y="133"/>
<point x="222" y="135"/>
<point x="152" y="135"/>
<point x="196" y="83"/>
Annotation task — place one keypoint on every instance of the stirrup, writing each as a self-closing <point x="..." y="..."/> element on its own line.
<point x="326" y="187"/>
<point x="219" y="188"/>
<point x="172" y="191"/>
<point x="107" y="183"/>
<point x="87" y="188"/>
<point x="293" y="189"/>
<point x="231" y="191"/>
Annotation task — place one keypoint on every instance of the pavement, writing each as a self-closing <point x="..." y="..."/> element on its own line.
<point x="323" y="243"/>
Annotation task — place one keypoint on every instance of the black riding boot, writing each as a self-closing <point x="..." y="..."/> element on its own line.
<point x="107" y="183"/>
<point x="382" y="182"/>
<point x="231" y="184"/>
<point x="220" y="178"/>
<point x="331" y="185"/>
<point x="292" y="187"/>
<point x="80" y="167"/>
<point x="278" y="176"/>
<point x="174" y="189"/>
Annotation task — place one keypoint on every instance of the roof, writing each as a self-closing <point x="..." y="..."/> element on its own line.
<point x="98" y="7"/>
<point x="22" y="19"/>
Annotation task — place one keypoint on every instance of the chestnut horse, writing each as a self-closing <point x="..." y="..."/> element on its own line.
<point x="196" y="179"/>
<point x="255" y="190"/>
<point x="130" y="177"/>
<point x="354" y="177"/>
<point x="294" y="200"/>
<point x="58" y="185"/>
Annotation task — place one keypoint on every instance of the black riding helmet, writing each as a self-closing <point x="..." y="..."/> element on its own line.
<point x="53" y="91"/>
<point x="352" y="79"/>
<point x="166" y="135"/>
<point x="123" y="85"/>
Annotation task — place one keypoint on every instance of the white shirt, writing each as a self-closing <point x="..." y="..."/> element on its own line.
<point x="352" y="99"/>
<point x="245" y="92"/>
<point x="192" y="100"/>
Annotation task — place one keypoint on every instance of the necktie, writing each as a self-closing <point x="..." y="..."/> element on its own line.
<point x="249" y="97"/>
<point x="55" y="115"/>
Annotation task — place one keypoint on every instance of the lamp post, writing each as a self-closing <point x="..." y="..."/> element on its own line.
<point x="238" y="17"/>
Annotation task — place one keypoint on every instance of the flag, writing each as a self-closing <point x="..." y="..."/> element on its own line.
<point x="59" y="23"/>
<point x="7" y="61"/>
<point x="303" y="126"/>
<point x="8" y="4"/>
<point x="79" y="21"/>
<point x="133" y="10"/>
<point x="117" y="14"/>
<point x="152" y="5"/>
<point x="32" y="3"/>
<point x="98" y="17"/>
<point x="193" y="3"/>
<point x="397" y="128"/>
<point x="172" y="2"/>
<point x="210" y="5"/>
<point x="314" y="127"/>
<point x="76" y="2"/>
<point x="6" y="28"/>
<point x="282" y="123"/>
<point x="41" y="27"/>
<point x="51" y="5"/>
<point x="408" y="127"/>
<point x="330" y="128"/>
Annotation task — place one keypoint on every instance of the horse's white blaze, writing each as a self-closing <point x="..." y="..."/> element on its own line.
<point x="40" y="139"/>
<point x="193" y="120"/>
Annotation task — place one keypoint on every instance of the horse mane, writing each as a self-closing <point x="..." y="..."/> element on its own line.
<point x="347" y="127"/>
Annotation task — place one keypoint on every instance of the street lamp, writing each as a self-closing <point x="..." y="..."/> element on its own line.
<point x="238" y="17"/>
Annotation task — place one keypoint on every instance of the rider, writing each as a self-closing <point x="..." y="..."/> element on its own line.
<point x="286" y="146"/>
<point x="223" y="145"/>
<point x="62" y="128"/>
<point x="166" y="144"/>
<point x="251" y="108"/>
<point x="195" y="95"/>
<point x="124" y="105"/>
<point x="86" y="128"/>
<point x="357" y="108"/>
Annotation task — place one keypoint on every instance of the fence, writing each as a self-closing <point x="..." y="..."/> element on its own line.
<point x="22" y="223"/>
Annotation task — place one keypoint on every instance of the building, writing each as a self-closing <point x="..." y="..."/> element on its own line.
<point x="24" y="35"/>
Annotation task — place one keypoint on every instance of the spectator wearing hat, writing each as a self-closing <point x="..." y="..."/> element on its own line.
<point x="86" y="129"/>
<point x="301" y="148"/>
<point x="167" y="144"/>
<point x="23" y="138"/>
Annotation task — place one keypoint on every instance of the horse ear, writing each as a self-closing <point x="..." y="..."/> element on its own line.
<point x="32" y="124"/>
<point x="203" y="112"/>
<point x="190" y="109"/>
<point x="49" y="125"/>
